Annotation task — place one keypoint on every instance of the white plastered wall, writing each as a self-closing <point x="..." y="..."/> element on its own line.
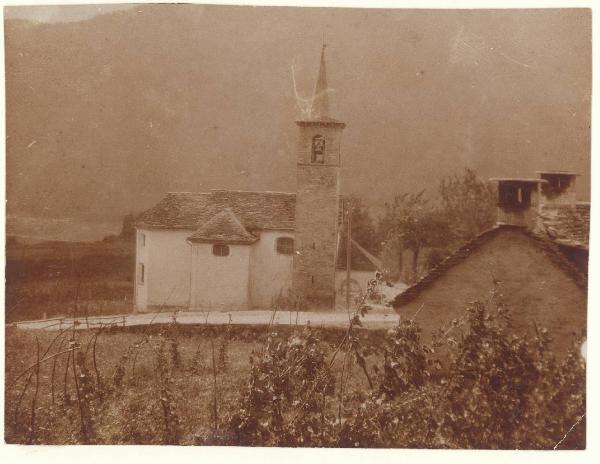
<point x="270" y="272"/>
<point x="220" y="283"/>
<point x="166" y="258"/>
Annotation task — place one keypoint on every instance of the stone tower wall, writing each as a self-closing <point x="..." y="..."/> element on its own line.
<point x="317" y="208"/>
<point x="332" y="135"/>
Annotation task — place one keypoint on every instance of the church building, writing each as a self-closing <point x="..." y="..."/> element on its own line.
<point x="228" y="249"/>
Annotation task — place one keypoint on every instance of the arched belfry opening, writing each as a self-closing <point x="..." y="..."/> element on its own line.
<point x="317" y="200"/>
<point x="318" y="149"/>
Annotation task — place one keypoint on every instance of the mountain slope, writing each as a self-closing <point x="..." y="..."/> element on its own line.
<point x="106" y="115"/>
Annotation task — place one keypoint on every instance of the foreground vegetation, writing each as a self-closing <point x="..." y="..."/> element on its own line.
<point x="476" y="384"/>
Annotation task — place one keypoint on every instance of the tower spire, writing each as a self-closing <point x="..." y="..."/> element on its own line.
<point x="317" y="199"/>
<point x="320" y="104"/>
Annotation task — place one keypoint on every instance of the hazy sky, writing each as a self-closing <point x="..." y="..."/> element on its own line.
<point x="60" y="13"/>
<point x="125" y="106"/>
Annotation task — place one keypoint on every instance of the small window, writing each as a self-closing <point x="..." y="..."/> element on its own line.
<point x="141" y="274"/>
<point x="318" y="149"/>
<point x="220" y="250"/>
<point x="285" y="245"/>
<point x="143" y="240"/>
<point x="514" y="196"/>
<point x="556" y="184"/>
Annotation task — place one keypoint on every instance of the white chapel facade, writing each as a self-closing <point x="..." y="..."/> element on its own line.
<point x="229" y="249"/>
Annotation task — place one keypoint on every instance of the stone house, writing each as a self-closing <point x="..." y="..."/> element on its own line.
<point x="229" y="250"/>
<point x="536" y="255"/>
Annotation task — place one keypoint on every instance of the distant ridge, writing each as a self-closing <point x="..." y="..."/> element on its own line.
<point x="106" y="115"/>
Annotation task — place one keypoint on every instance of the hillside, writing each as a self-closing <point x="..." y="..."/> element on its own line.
<point x="106" y="115"/>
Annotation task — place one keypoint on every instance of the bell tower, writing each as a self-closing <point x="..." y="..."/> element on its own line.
<point x="317" y="200"/>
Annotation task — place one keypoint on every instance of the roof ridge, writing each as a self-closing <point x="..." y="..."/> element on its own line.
<point x="463" y="252"/>
<point x="235" y="234"/>
<point x="228" y="210"/>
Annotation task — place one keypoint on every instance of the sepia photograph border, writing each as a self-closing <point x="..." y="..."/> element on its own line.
<point x="159" y="454"/>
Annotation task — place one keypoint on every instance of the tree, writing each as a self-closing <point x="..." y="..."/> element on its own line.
<point x="468" y="205"/>
<point x="465" y="207"/>
<point x="412" y="223"/>
<point x="128" y="227"/>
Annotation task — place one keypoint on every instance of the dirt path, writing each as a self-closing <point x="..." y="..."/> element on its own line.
<point x="375" y="319"/>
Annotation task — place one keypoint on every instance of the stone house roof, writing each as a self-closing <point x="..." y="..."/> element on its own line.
<point x="462" y="253"/>
<point x="253" y="210"/>
<point x="567" y="226"/>
<point x="225" y="228"/>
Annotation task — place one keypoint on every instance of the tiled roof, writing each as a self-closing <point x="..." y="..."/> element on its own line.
<point x="255" y="210"/>
<point x="465" y="251"/>
<point x="566" y="225"/>
<point x="224" y="227"/>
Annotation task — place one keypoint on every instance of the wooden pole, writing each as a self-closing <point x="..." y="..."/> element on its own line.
<point x="348" y="257"/>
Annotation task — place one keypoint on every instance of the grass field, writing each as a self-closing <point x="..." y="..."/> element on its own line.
<point x="247" y="385"/>
<point x="51" y="279"/>
<point x="131" y="411"/>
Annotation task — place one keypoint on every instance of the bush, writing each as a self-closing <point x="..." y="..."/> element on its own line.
<point x="476" y="384"/>
<point x="288" y="385"/>
<point x="487" y="388"/>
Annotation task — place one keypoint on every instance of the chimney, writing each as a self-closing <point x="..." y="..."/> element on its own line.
<point x="518" y="201"/>
<point x="559" y="188"/>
